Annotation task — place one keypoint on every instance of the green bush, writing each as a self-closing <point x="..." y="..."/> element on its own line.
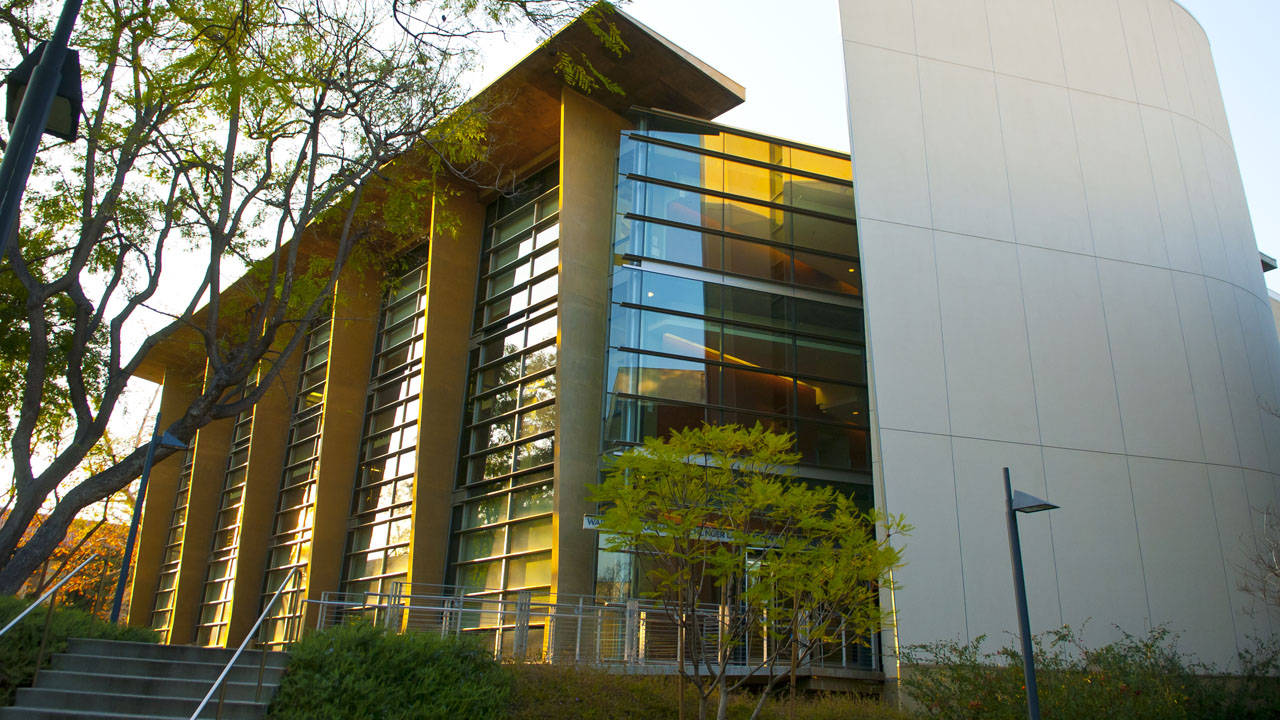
<point x="1134" y="678"/>
<point x="19" y="646"/>
<point x="545" y="692"/>
<point x="361" y="671"/>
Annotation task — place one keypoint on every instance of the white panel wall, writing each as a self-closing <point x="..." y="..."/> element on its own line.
<point x="1061" y="277"/>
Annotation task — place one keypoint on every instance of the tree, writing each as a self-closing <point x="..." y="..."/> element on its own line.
<point x="1260" y="572"/>
<point x="259" y="136"/>
<point x="712" y="513"/>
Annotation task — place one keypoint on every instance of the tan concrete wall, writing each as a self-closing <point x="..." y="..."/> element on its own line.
<point x="588" y="163"/>
<point x="451" y="290"/>
<point x="267" y="445"/>
<point x="208" y="473"/>
<point x="355" y="326"/>
<point x="157" y="505"/>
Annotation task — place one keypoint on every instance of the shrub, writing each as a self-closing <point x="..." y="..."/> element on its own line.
<point x="19" y="646"/>
<point x="361" y="671"/>
<point x="544" y="692"/>
<point x="1134" y="678"/>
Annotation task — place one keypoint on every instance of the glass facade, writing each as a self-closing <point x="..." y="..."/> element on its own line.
<point x="736" y="298"/>
<point x="378" y="541"/>
<point x="166" y="583"/>
<point x="502" y="527"/>
<point x="290" y="544"/>
<point x="215" y="608"/>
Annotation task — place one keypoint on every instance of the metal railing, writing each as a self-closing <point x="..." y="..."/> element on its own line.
<point x="48" y="616"/>
<point x="525" y="626"/>
<point x="218" y="686"/>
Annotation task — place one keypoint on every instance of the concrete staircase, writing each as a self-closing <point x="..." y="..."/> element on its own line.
<point x="142" y="681"/>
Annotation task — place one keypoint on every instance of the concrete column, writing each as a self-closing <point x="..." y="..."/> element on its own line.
<point x="451" y="288"/>
<point x="157" y="507"/>
<point x="588" y="164"/>
<point x="355" y="326"/>
<point x="267" y="445"/>
<point x="208" y="473"/>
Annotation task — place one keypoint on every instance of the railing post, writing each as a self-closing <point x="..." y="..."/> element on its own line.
<point x="44" y="635"/>
<point x="599" y="631"/>
<point x="577" y="640"/>
<point x="520" y="646"/>
<point x="324" y="609"/>
<point x="631" y="628"/>
<point x="550" y="613"/>
<point x="844" y="646"/>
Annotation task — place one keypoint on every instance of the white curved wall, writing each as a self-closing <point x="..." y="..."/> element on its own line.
<point x="1061" y="277"/>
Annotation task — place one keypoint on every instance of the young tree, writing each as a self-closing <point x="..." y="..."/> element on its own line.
<point x="230" y="132"/>
<point x="1260" y="572"/>
<point x="712" y="512"/>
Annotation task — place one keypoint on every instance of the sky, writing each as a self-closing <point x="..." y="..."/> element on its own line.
<point x="789" y="56"/>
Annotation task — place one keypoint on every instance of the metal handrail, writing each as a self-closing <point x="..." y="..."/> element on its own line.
<point x="247" y="638"/>
<point x="47" y="593"/>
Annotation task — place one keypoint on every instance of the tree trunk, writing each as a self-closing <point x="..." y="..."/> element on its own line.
<point x="795" y="654"/>
<point x="722" y="709"/>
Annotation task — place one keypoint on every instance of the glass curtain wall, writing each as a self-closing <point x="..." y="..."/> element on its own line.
<point x="215" y="609"/>
<point x="736" y="298"/>
<point x="502" y="531"/>
<point x="295" y="507"/>
<point x="166" y="584"/>
<point x="377" y="552"/>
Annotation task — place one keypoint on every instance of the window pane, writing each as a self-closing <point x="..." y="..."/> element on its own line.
<point x="680" y="294"/>
<point x="759" y="308"/>
<point x="537" y="421"/>
<point x="678" y="335"/>
<point x="762" y="392"/>
<point x="823" y="234"/>
<point x="757" y="348"/>
<point x="683" y="167"/>
<point x="831" y="446"/>
<point x="747" y="218"/>
<point x="533" y="535"/>
<point x="809" y="194"/>
<point x="832" y="401"/>
<point x="535" y="453"/>
<point x="827" y="273"/>
<point x="482" y="544"/>
<point x="663" y="242"/>
<point x="532" y="501"/>
<point x="677" y="379"/>
<point x="481" y="576"/>
<point x="529" y="570"/>
<point x="756" y="260"/>
<point x="833" y="321"/>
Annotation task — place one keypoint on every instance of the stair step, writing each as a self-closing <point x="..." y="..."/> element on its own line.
<point x="141" y="685"/>
<point x="109" y="679"/>
<point x="186" y="653"/>
<point x="22" y="713"/>
<point x="134" y="704"/>
<point x="182" y="669"/>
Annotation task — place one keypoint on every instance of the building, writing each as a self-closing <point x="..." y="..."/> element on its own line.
<point x="1025" y="265"/>
<point x="1061" y="277"/>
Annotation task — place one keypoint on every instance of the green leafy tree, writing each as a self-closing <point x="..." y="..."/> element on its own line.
<point x="285" y="138"/>
<point x="711" y="513"/>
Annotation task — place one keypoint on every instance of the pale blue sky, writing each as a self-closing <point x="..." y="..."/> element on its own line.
<point x="789" y="57"/>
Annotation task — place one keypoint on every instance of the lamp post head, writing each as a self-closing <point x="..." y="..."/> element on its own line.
<point x="64" y="115"/>
<point x="169" y="441"/>
<point x="1026" y="503"/>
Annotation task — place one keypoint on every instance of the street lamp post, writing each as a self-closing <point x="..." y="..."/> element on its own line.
<point x="157" y="440"/>
<point x="33" y="115"/>
<point x="1016" y="502"/>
